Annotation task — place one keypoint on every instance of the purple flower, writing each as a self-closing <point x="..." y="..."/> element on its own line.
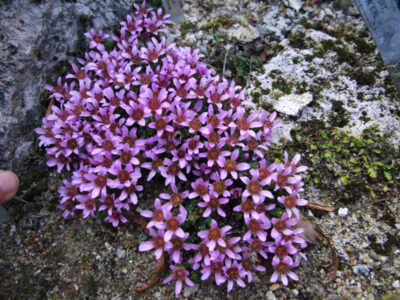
<point x="290" y="203"/>
<point x="282" y="226"/>
<point x="170" y="170"/>
<point x="158" y="216"/>
<point x="172" y="224"/>
<point x="212" y="202"/>
<point x="214" y="153"/>
<point x="234" y="273"/>
<point x="87" y="205"/>
<point x="254" y="187"/>
<point x="115" y="217"/>
<point x="214" y="235"/>
<point x="157" y="243"/>
<point x="180" y="275"/>
<point x="282" y="270"/>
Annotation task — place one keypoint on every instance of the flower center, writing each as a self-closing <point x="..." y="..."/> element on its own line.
<point x="230" y="166"/>
<point x="176" y="199"/>
<point x="137" y="114"/>
<point x="254" y="187"/>
<point x="126" y="157"/>
<point x="213" y="203"/>
<point x="248" y="206"/>
<point x="280" y="225"/>
<point x="123" y="176"/>
<point x="193" y="144"/>
<point x="100" y="181"/>
<point x="155" y="164"/>
<point x="282" y="268"/>
<point x="158" y="215"/>
<point x="243" y="124"/>
<point x="195" y="124"/>
<point x="173" y="169"/>
<point x="201" y="189"/>
<point x="158" y="242"/>
<point x="203" y="250"/>
<point x="109" y="201"/>
<point x="254" y="226"/>
<point x="179" y="275"/>
<point x="256" y="246"/>
<point x="264" y="173"/>
<point x="233" y="273"/>
<point x="160" y="124"/>
<point x="71" y="144"/>
<point x="290" y="202"/>
<point x="213" y="154"/>
<point x="215" y="233"/>
<point x="281" y="251"/>
<point x="219" y="187"/>
<point x="213" y="137"/>
<point x="172" y="224"/>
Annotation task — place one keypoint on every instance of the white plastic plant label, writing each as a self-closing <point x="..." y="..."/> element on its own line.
<point x="173" y="7"/>
<point x="382" y="18"/>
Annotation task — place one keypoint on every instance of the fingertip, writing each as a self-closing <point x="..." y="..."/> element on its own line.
<point x="8" y="185"/>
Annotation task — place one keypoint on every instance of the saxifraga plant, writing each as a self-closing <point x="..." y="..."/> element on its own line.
<point x="114" y="127"/>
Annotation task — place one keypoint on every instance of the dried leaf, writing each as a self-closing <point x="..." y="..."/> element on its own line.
<point x="321" y="206"/>
<point x="311" y="235"/>
<point x="315" y="236"/>
<point x="152" y="281"/>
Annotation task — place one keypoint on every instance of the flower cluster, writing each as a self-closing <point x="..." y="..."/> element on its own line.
<point x="148" y="111"/>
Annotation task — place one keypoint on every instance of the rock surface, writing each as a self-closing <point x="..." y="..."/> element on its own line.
<point x="37" y="39"/>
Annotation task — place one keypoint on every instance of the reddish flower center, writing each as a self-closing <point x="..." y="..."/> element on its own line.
<point x="177" y="243"/>
<point x="216" y="268"/>
<point x="195" y="124"/>
<point x="254" y="226"/>
<point x="230" y="165"/>
<point x="176" y="199"/>
<point x="179" y="275"/>
<point x="254" y="188"/>
<point x="281" y="251"/>
<point x="282" y="180"/>
<point x="123" y="176"/>
<point x="233" y="273"/>
<point x="282" y="268"/>
<point x="214" y="233"/>
<point x="201" y="189"/>
<point x="264" y="173"/>
<point x="107" y="162"/>
<point x="256" y="246"/>
<point x="89" y="204"/>
<point x="173" y="169"/>
<point x="158" y="242"/>
<point x="219" y="187"/>
<point x="153" y="55"/>
<point x="155" y="164"/>
<point x="126" y="157"/>
<point x="213" y="154"/>
<point x="252" y="145"/>
<point x="100" y="181"/>
<point x="248" y="206"/>
<point x="280" y="225"/>
<point x="213" y="203"/>
<point x="290" y="202"/>
<point x="71" y="144"/>
<point x="247" y="264"/>
<point x="172" y="224"/>
<point x="109" y="201"/>
<point x="158" y="215"/>
<point x="108" y="145"/>
<point x="203" y="250"/>
<point x="243" y="124"/>
<point x="137" y="114"/>
<point x="214" y="121"/>
<point x="193" y="144"/>
<point x="160" y="124"/>
<point x="213" y="137"/>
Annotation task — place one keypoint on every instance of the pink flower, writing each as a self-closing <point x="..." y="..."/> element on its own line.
<point x="282" y="270"/>
<point x="180" y="275"/>
<point x="254" y="187"/>
<point x="212" y="202"/>
<point x="290" y="203"/>
<point x="230" y="166"/>
<point x="234" y="273"/>
<point x="115" y="217"/>
<point x="87" y="205"/>
<point x="157" y="243"/>
<point x="215" y="235"/>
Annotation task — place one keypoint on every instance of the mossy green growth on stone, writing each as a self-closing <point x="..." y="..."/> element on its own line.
<point x="346" y="166"/>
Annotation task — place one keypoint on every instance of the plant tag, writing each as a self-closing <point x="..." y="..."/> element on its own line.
<point x="173" y="7"/>
<point x="382" y="18"/>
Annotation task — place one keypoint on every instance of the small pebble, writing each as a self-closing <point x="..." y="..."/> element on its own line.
<point x="274" y="287"/>
<point x="396" y="284"/>
<point x="343" y="212"/>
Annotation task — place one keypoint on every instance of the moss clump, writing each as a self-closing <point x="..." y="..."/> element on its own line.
<point x="339" y="116"/>
<point x="347" y="165"/>
<point x="298" y="39"/>
<point x="218" y="22"/>
<point x="361" y="44"/>
<point x="363" y="78"/>
<point x="186" y="26"/>
<point x="281" y="84"/>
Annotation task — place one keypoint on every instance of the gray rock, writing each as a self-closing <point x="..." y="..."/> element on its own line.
<point x="291" y="104"/>
<point x="37" y="39"/>
<point x="361" y="269"/>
